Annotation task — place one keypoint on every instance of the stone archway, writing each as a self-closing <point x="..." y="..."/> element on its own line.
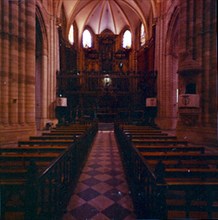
<point x="172" y="53"/>
<point x="41" y="71"/>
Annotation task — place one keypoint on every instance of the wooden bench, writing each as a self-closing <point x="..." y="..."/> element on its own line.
<point x="181" y="159"/>
<point x="77" y="134"/>
<point x="32" y="149"/>
<point x="189" y="197"/>
<point x="142" y="131"/>
<point x="54" y="137"/>
<point x="181" y="189"/>
<point x="170" y="148"/>
<point x="45" y="142"/>
<point x="191" y="173"/>
<point x="182" y="180"/>
<point x="153" y="137"/>
<point x="69" y="130"/>
<point x="161" y="179"/>
<point x="62" y="133"/>
<point x="159" y="142"/>
<point x="59" y="164"/>
<point x="178" y="156"/>
<point x="138" y="135"/>
<point x="24" y="158"/>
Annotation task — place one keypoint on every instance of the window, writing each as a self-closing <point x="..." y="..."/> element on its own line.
<point x="71" y="35"/>
<point x="142" y="35"/>
<point x="127" y="39"/>
<point x="87" y="39"/>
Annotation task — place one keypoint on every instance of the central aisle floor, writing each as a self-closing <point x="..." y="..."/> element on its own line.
<point x="102" y="192"/>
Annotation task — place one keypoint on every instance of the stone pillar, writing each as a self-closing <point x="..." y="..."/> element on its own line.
<point x="4" y="62"/>
<point x="30" y="63"/>
<point x="1" y="83"/>
<point x="13" y="63"/>
<point x="209" y="74"/>
<point x="213" y="78"/>
<point x="21" y="67"/>
<point x="44" y="88"/>
<point x="56" y="67"/>
<point x="165" y="44"/>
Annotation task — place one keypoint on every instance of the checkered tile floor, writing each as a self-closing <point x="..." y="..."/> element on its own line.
<point x="102" y="192"/>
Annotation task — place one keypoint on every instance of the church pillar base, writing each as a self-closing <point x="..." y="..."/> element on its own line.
<point x="166" y="123"/>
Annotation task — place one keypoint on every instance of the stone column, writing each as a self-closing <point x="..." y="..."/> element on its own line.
<point x="21" y="67"/>
<point x="44" y="87"/>
<point x="206" y="54"/>
<point x="13" y="63"/>
<point x="30" y="63"/>
<point x="1" y="82"/>
<point x="213" y="78"/>
<point x="4" y="62"/>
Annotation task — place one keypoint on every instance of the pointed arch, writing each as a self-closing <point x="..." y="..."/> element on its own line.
<point x="171" y="60"/>
<point x="87" y="38"/>
<point x="41" y="72"/>
<point x="127" y="39"/>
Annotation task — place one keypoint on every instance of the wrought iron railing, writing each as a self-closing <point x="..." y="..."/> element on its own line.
<point x="45" y="196"/>
<point x="150" y="189"/>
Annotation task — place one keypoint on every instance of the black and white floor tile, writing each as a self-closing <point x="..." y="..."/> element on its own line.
<point x="102" y="192"/>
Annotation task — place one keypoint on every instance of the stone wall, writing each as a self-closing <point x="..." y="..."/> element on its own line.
<point x="18" y="69"/>
<point x="190" y="27"/>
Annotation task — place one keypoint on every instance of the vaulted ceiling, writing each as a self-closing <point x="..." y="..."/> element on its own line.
<point x="109" y="14"/>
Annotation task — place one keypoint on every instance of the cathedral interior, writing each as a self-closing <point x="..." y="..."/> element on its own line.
<point x="79" y="63"/>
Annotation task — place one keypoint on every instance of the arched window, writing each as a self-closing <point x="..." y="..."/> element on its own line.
<point x="127" y="39"/>
<point x="87" y="39"/>
<point x="142" y="35"/>
<point x="71" y="35"/>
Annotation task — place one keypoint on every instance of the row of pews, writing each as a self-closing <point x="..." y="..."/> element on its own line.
<point x="168" y="178"/>
<point x="39" y="174"/>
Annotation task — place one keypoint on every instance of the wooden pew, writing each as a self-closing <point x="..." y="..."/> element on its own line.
<point x="77" y="134"/>
<point x="59" y="163"/>
<point x="143" y="131"/>
<point x="137" y="127"/>
<point x="45" y="142"/>
<point x="82" y="129"/>
<point x="26" y="157"/>
<point x="188" y="197"/>
<point x="16" y="169"/>
<point x="138" y="137"/>
<point x="62" y="133"/>
<point x="54" y="137"/>
<point x="178" y="156"/>
<point x="162" y="177"/>
<point x="158" y="142"/>
<point x="168" y="148"/>
<point x="178" y="159"/>
<point x="144" y="135"/>
<point x="32" y="149"/>
<point x="185" y="180"/>
<point x="210" y="173"/>
<point x="69" y="129"/>
<point x="14" y="166"/>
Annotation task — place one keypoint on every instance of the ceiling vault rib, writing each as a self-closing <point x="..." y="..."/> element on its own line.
<point x="113" y="17"/>
<point x="125" y="15"/>
<point x="101" y="15"/>
<point x="91" y="11"/>
<point x="137" y="11"/>
<point x="143" y="18"/>
<point x="112" y="14"/>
